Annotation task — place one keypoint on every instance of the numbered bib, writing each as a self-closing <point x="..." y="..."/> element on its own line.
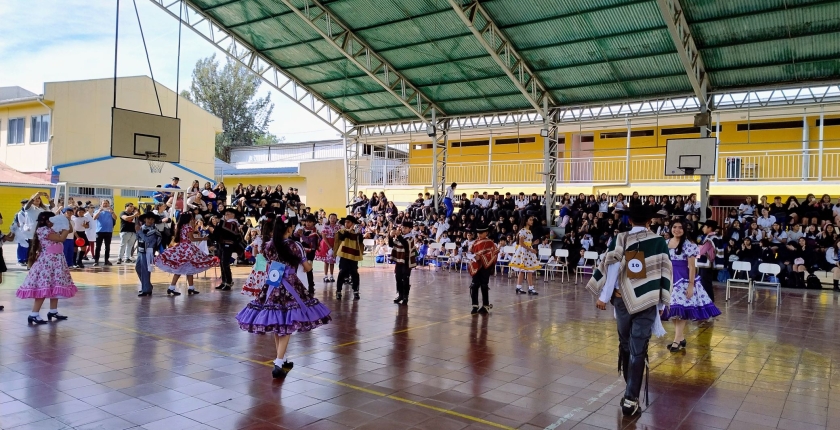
<point x="636" y="264"/>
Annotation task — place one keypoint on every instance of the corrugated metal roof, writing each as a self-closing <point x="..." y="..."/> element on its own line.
<point x="583" y="51"/>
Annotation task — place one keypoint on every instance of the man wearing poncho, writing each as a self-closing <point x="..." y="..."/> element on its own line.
<point x="484" y="254"/>
<point x="635" y="276"/>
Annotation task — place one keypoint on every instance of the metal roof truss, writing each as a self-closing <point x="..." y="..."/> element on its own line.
<point x="235" y="48"/>
<point x="689" y="55"/>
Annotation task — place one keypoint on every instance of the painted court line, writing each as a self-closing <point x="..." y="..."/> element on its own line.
<point x="591" y="400"/>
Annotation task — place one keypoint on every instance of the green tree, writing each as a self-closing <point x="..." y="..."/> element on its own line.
<point x="229" y="91"/>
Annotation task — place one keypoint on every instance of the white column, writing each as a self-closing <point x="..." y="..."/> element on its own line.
<point x="549" y="205"/>
<point x="822" y="129"/>
<point x="435" y="192"/>
<point x="627" y="161"/>
<point x="490" y="159"/>
<point x="806" y="143"/>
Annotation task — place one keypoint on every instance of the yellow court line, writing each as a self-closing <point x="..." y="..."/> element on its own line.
<point x="339" y="383"/>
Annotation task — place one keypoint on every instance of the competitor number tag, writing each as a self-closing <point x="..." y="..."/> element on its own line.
<point x="636" y="265"/>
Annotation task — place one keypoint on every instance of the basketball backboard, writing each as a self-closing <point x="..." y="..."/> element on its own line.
<point x="690" y="156"/>
<point x="138" y="134"/>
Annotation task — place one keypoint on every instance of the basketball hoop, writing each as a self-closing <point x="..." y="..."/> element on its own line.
<point x="155" y="160"/>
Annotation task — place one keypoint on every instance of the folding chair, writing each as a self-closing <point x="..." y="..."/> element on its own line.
<point x="436" y="246"/>
<point x="588" y="266"/>
<point x="740" y="267"/>
<point x="447" y="248"/>
<point x="543" y="254"/>
<point x="502" y="262"/>
<point x="770" y="269"/>
<point x="561" y="265"/>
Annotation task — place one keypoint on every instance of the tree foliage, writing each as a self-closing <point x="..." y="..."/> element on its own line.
<point x="229" y="91"/>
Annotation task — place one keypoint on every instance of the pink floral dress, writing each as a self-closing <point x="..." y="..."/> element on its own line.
<point x="325" y="253"/>
<point x="49" y="276"/>
<point x="256" y="279"/>
<point x="185" y="258"/>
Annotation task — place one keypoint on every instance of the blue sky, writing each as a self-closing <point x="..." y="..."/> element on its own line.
<point x="57" y="40"/>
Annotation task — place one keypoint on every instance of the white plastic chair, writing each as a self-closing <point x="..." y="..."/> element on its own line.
<point x="589" y="260"/>
<point x="561" y="266"/>
<point x="503" y="260"/>
<point x="437" y="246"/>
<point x="448" y="248"/>
<point x="740" y="267"/>
<point x="369" y="244"/>
<point x="543" y="254"/>
<point x="770" y="269"/>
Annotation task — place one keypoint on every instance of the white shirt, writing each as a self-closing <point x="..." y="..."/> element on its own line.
<point x="521" y="203"/>
<point x="450" y="193"/>
<point x="766" y="223"/>
<point x="745" y="209"/>
<point x="31" y="220"/>
<point x="428" y="202"/>
<point x="90" y="232"/>
<point x="79" y="224"/>
<point x="60" y="222"/>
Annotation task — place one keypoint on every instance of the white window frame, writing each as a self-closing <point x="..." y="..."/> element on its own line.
<point x="9" y="131"/>
<point x="43" y="135"/>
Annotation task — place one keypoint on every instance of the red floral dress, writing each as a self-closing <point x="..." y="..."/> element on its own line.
<point x="325" y="251"/>
<point x="185" y="258"/>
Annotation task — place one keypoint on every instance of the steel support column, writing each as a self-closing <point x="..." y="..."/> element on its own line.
<point x="351" y="167"/>
<point x="704" y="179"/>
<point x="822" y="144"/>
<point x="357" y="51"/>
<point x="672" y="14"/>
<point x="440" y="157"/>
<point x="806" y="147"/>
<point x="550" y="142"/>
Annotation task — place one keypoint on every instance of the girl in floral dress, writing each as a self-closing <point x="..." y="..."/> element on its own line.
<point x="49" y="276"/>
<point x="325" y="251"/>
<point x="256" y="279"/>
<point x="524" y="259"/>
<point x="289" y="308"/>
<point x="689" y="300"/>
<point x="185" y="258"/>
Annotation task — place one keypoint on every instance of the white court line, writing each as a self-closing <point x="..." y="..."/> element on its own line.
<point x="591" y="400"/>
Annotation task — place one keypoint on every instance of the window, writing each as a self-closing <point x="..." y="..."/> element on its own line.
<point x="514" y="140"/>
<point x="770" y="125"/>
<point x="16" y="129"/>
<point x="634" y="133"/>
<point x="470" y="143"/>
<point x="587" y="139"/>
<point x="830" y="121"/>
<point x="40" y="130"/>
<point x="423" y="146"/>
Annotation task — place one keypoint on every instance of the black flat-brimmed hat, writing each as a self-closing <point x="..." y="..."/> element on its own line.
<point x="310" y="218"/>
<point x="481" y="227"/>
<point x="152" y="215"/>
<point x="350" y="218"/>
<point x="408" y="224"/>
<point x="232" y="210"/>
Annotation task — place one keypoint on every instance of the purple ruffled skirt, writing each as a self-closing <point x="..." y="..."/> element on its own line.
<point x="288" y="310"/>
<point x="698" y="308"/>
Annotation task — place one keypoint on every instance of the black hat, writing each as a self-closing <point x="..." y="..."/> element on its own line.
<point x="408" y="224"/>
<point x="24" y="201"/>
<point x="152" y="215"/>
<point x="232" y="210"/>
<point x="350" y="218"/>
<point x="481" y="227"/>
<point x="310" y="218"/>
<point x="711" y="224"/>
<point x="175" y="178"/>
<point x="641" y="212"/>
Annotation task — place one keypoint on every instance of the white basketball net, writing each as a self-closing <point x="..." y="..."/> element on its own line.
<point x="155" y="162"/>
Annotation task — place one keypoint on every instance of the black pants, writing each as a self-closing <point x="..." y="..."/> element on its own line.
<point x="480" y="281"/>
<point x="403" y="274"/>
<point x="225" y="254"/>
<point x="100" y="238"/>
<point x="348" y="269"/>
<point x="81" y="251"/>
<point x="634" y="332"/>
<point x="707" y="277"/>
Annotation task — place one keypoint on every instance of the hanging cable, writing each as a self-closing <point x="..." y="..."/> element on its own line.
<point x="116" y="47"/>
<point x="148" y="60"/>
<point x="178" y="67"/>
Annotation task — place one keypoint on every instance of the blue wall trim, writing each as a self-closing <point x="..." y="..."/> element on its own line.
<point x="56" y="173"/>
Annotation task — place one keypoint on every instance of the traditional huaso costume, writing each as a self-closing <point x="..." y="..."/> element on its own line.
<point x="484" y="253"/>
<point x="404" y="256"/>
<point x="349" y="249"/>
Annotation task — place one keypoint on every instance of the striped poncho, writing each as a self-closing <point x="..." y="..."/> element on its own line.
<point x="638" y="294"/>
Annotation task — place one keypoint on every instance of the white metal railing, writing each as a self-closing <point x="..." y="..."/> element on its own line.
<point x="732" y="166"/>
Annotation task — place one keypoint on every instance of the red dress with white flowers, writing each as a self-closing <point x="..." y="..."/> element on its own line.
<point x="325" y="251"/>
<point x="185" y="258"/>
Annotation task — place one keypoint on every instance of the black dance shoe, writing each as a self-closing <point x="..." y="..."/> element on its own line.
<point x="677" y="346"/>
<point x="280" y="372"/>
<point x="312" y="291"/>
<point x="630" y="407"/>
<point x="533" y="292"/>
<point x="2" y="307"/>
<point x="142" y="294"/>
<point x="192" y="291"/>
<point x="172" y="292"/>
<point x="474" y="310"/>
<point x="519" y="291"/>
<point x="338" y="295"/>
<point x="221" y="286"/>
<point x="356" y="296"/>
<point x="485" y="309"/>
<point x="35" y="320"/>
<point x="398" y="300"/>
<point x="56" y="315"/>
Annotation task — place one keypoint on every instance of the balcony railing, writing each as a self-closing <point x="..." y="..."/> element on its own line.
<point x="735" y="166"/>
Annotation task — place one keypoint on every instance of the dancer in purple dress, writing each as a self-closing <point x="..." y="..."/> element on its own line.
<point x="49" y="276"/>
<point x="288" y="308"/>
<point x="689" y="300"/>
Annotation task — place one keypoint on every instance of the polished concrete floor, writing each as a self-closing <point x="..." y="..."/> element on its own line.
<point x="536" y="362"/>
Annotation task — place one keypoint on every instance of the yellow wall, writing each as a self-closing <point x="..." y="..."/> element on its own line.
<point x="10" y="198"/>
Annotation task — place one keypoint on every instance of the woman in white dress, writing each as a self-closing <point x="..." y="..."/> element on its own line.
<point x="524" y="259"/>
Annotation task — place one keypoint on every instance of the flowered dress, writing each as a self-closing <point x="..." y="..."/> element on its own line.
<point x="185" y="258"/>
<point x="699" y="307"/>
<point x="325" y="253"/>
<point x="49" y="276"/>
<point x="523" y="260"/>
<point x="256" y="279"/>
<point x="290" y="308"/>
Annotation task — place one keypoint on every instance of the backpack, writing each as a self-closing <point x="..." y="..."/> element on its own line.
<point x="813" y="282"/>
